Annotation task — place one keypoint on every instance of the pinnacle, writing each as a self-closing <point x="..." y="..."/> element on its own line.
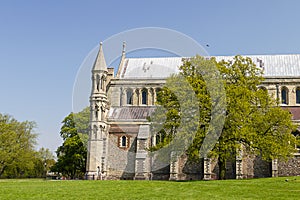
<point x="100" y="63"/>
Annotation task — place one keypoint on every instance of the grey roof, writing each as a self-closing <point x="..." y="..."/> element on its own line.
<point x="150" y="67"/>
<point x="273" y="65"/>
<point x="130" y="112"/>
<point x="100" y="63"/>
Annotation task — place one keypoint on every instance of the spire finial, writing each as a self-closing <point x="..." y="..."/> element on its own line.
<point x="124" y="47"/>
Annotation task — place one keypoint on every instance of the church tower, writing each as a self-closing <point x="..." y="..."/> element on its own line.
<point x="97" y="147"/>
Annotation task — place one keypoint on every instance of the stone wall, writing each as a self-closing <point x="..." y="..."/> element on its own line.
<point x="290" y="167"/>
<point x="121" y="161"/>
<point x="161" y="174"/>
<point x="190" y="170"/>
<point x="254" y="167"/>
<point x="159" y="169"/>
<point x="121" y="165"/>
<point x="230" y="169"/>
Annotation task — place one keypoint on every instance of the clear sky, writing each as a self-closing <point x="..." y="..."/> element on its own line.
<point x="43" y="43"/>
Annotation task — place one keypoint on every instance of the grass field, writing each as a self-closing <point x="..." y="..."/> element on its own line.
<point x="268" y="188"/>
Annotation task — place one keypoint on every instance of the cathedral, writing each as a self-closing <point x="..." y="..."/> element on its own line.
<point x="119" y="130"/>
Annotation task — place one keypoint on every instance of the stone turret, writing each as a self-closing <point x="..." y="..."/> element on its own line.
<point x="97" y="148"/>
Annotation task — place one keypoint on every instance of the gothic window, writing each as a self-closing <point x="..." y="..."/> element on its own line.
<point x="144" y="96"/>
<point x="284" y="95"/>
<point x="102" y="82"/>
<point x="157" y="139"/>
<point x="98" y="84"/>
<point x="129" y="96"/>
<point x="96" y="111"/>
<point x="296" y="134"/>
<point x="158" y="95"/>
<point x="158" y="90"/>
<point x="123" y="141"/>
<point x="160" y="136"/>
<point x="298" y="95"/>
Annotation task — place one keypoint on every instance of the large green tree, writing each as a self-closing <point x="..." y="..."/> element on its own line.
<point x="71" y="155"/>
<point x="17" y="141"/>
<point x="252" y="118"/>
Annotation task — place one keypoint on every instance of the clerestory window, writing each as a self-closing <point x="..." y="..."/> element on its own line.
<point x="129" y="97"/>
<point x="298" y="95"/>
<point x="284" y="95"/>
<point x="144" y="96"/>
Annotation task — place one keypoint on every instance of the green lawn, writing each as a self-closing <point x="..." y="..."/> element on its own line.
<point x="268" y="188"/>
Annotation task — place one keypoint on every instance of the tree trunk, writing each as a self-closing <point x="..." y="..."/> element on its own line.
<point x="2" y="169"/>
<point x="222" y="167"/>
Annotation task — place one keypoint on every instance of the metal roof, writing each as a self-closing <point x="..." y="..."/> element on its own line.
<point x="150" y="67"/>
<point x="273" y="65"/>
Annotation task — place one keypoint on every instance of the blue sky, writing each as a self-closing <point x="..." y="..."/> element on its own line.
<point x="43" y="43"/>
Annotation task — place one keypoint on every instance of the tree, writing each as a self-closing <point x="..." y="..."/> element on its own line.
<point x="72" y="154"/>
<point x="44" y="161"/>
<point x="253" y="120"/>
<point x="17" y="140"/>
<point x="81" y="120"/>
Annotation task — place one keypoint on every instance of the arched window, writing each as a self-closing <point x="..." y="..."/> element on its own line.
<point x="98" y="82"/>
<point x="284" y="95"/>
<point x="298" y="95"/>
<point x="158" y="94"/>
<point x="157" y="139"/>
<point x="158" y="90"/>
<point x="123" y="141"/>
<point x="144" y="96"/>
<point x="160" y="136"/>
<point x="102" y="82"/>
<point x="129" y="96"/>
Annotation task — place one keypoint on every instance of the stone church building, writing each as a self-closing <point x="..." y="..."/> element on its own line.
<point x="119" y="129"/>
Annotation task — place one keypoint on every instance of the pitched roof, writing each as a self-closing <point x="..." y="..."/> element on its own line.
<point x="114" y="128"/>
<point x="295" y="111"/>
<point x="130" y="112"/>
<point x="273" y="65"/>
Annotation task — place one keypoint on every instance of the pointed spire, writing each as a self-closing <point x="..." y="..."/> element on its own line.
<point x="122" y="59"/>
<point x="100" y="63"/>
<point x="124" y="49"/>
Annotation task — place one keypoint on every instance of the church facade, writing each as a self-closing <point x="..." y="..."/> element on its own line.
<point x="119" y="130"/>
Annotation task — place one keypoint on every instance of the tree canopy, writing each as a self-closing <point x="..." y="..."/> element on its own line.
<point x="72" y="153"/>
<point x="17" y="141"/>
<point x="247" y="116"/>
